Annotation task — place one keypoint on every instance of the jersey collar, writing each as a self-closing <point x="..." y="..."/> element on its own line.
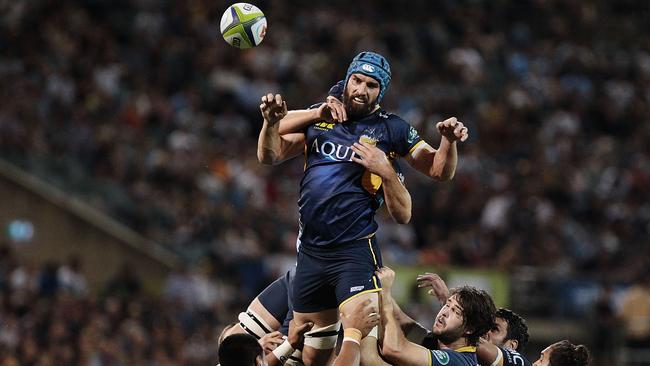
<point x="466" y="349"/>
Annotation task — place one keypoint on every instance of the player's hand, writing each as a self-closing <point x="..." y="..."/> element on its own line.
<point x="273" y="108"/>
<point x="453" y="129"/>
<point x="372" y="158"/>
<point x="364" y="317"/>
<point x="333" y="110"/>
<point x="297" y="333"/>
<point x="386" y="277"/>
<point x="438" y="287"/>
<point x="271" y="341"/>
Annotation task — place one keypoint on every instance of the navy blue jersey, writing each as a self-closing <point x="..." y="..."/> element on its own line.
<point x="511" y="358"/>
<point x="465" y="356"/>
<point x="338" y="197"/>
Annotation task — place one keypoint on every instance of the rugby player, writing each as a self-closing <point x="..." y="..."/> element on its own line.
<point x="467" y="315"/>
<point x="563" y="353"/>
<point x="349" y="172"/>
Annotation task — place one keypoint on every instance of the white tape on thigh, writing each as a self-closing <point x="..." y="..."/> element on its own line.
<point x="295" y="359"/>
<point x="374" y="332"/>
<point x="323" y="338"/>
<point x="253" y="324"/>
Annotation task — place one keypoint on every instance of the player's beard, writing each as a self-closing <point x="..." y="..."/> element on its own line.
<point x="450" y="335"/>
<point x="354" y="110"/>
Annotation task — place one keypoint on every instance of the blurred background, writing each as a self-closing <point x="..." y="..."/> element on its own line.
<point x="136" y="220"/>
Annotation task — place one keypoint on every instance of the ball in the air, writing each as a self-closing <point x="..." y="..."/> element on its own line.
<point x="243" y="25"/>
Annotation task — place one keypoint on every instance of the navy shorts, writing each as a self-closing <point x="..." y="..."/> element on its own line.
<point x="276" y="299"/>
<point x="328" y="276"/>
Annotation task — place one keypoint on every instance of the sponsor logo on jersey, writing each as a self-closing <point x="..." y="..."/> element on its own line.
<point x="332" y="151"/>
<point x="442" y="357"/>
<point x="324" y="126"/>
<point x="356" y="288"/>
<point x="413" y="135"/>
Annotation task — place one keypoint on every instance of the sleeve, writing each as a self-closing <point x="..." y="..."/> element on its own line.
<point x="444" y="357"/>
<point x="405" y="137"/>
<point x="510" y="358"/>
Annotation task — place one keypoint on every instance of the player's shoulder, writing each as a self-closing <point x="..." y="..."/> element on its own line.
<point x="391" y="118"/>
<point x="513" y="358"/>
<point x="453" y="358"/>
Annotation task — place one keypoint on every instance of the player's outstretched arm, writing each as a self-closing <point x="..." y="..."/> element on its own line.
<point x="398" y="198"/>
<point x="395" y="347"/>
<point x="356" y="326"/>
<point x="440" y="164"/>
<point x="330" y="111"/>
<point x="272" y="148"/>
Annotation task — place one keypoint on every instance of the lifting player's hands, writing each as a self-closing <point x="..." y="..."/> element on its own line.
<point x="271" y="341"/>
<point x="438" y="287"/>
<point x="297" y="332"/>
<point x="273" y="108"/>
<point x="453" y="129"/>
<point x="364" y="317"/>
<point x="386" y="277"/>
<point x="372" y="158"/>
<point x="332" y="110"/>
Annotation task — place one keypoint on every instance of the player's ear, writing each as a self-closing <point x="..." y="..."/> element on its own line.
<point x="512" y="344"/>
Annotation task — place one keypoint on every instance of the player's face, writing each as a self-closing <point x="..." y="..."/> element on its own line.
<point x="499" y="332"/>
<point x="544" y="357"/>
<point x="360" y="95"/>
<point x="448" y="325"/>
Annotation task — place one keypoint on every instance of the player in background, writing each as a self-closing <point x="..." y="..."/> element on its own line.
<point x="503" y="344"/>
<point x="563" y="353"/>
<point x="349" y="173"/>
<point x="241" y="350"/>
<point x="467" y="315"/>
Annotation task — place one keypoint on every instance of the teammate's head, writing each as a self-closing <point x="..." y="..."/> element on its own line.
<point x="228" y="330"/>
<point x="241" y="350"/>
<point x="510" y="330"/>
<point x="468" y="313"/>
<point x="366" y="83"/>
<point x="564" y="353"/>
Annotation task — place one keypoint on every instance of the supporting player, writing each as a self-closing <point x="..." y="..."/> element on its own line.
<point x="563" y="353"/>
<point x="467" y="315"/>
<point x="349" y="173"/>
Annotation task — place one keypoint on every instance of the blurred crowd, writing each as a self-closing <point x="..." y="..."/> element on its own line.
<point x="140" y="108"/>
<point x="48" y="317"/>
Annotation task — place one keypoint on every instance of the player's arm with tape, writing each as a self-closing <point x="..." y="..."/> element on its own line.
<point x="293" y="342"/>
<point x="397" y="197"/>
<point x="273" y="148"/>
<point x="440" y="164"/>
<point x="356" y="326"/>
<point x="488" y="354"/>
<point x="395" y="347"/>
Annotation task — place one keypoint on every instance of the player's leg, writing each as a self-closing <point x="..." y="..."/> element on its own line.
<point x="321" y="340"/>
<point x="266" y="313"/>
<point x="314" y="300"/>
<point x="357" y="283"/>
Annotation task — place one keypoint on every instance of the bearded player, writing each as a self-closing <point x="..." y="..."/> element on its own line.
<point x="349" y="173"/>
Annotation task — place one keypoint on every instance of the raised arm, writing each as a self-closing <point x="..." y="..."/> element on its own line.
<point x="440" y="164"/>
<point x="356" y="326"/>
<point x="330" y="111"/>
<point x="396" y="348"/>
<point x="272" y="148"/>
<point x="398" y="199"/>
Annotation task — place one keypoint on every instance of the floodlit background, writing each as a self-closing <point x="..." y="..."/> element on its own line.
<point x="136" y="220"/>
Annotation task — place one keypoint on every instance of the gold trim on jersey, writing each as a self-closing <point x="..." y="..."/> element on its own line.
<point x="416" y="146"/>
<point x="466" y="349"/>
<point x="361" y="293"/>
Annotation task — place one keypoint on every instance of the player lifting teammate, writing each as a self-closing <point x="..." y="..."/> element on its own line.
<point x="349" y="173"/>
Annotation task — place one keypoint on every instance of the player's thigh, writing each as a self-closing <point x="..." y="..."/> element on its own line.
<point x="321" y="340"/>
<point x="258" y="308"/>
<point x="350" y="304"/>
<point x="370" y="353"/>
